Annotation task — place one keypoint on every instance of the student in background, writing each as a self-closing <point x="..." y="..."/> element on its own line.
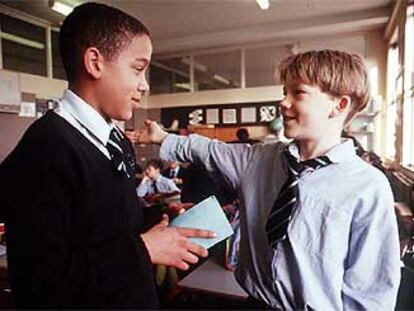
<point x="318" y="225"/>
<point x="359" y="149"/>
<point x="372" y="158"/>
<point x="243" y="137"/>
<point x="75" y="236"/>
<point x="174" y="172"/>
<point x="153" y="182"/>
<point x="369" y="156"/>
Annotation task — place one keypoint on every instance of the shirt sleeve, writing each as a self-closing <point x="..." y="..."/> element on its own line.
<point x="143" y="189"/>
<point x="172" y="187"/>
<point x="231" y="160"/>
<point x="372" y="272"/>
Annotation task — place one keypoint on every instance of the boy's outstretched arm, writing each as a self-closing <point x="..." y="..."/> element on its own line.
<point x="231" y="161"/>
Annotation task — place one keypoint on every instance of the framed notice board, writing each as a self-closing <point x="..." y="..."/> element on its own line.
<point x="229" y="115"/>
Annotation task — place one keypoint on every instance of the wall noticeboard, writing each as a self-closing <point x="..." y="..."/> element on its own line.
<point x="248" y="115"/>
<point x="229" y="115"/>
<point x="212" y="116"/>
<point x="10" y="97"/>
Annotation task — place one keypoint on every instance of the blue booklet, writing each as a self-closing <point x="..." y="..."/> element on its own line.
<point x="209" y="215"/>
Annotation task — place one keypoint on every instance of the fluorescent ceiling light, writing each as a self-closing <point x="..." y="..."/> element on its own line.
<point x="22" y="41"/>
<point x="62" y="8"/>
<point x="263" y="4"/>
<point x="221" y="79"/>
<point x="185" y="86"/>
<point x="197" y="65"/>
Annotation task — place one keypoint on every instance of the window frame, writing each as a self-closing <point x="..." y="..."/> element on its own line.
<point x="47" y="27"/>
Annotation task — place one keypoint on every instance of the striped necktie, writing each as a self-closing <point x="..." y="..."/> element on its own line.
<point x="288" y="197"/>
<point x="116" y="152"/>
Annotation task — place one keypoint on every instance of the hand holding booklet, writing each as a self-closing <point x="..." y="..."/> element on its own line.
<point x="208" y="215"/>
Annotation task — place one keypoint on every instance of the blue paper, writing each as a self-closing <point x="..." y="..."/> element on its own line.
<point x="209" y="215"/>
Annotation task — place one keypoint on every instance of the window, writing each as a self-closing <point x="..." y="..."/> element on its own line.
<point x="217" y="71"/>
<point x="392" y="72"/>
<point x="171" y="75"/>
<point x="408" y="100"/>
<point x="23" y="46"/>
<point x="58" y="69"/>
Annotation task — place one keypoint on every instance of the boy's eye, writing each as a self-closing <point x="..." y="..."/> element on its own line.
<point x="298" y="92"/>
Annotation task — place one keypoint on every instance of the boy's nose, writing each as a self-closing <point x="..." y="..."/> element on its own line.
<point x="143" y="85"/>
<point x="285" y="103"/>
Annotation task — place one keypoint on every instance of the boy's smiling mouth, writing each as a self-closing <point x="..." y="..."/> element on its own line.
<point x="288" y="118"/>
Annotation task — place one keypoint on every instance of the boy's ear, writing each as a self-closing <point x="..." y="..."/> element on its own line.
<point x="93" y="62"/>
<point x="342" y="105"/>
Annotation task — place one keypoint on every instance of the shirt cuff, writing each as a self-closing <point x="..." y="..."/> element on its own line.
<point x="167" y="150"/>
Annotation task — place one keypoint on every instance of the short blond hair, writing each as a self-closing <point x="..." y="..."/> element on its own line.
<point x="336" y="73"/>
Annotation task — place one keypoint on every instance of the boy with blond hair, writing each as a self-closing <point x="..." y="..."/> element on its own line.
<point x="317" y="222"/>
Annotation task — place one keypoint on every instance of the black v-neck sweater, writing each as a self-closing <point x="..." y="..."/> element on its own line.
<point x="72" y="224"/>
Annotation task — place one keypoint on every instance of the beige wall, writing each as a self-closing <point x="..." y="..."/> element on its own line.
<point x="203" y="98"/>
<point x="42" y="87"/>
<point x="377" y="56"/>
<point x="12" y="126"/>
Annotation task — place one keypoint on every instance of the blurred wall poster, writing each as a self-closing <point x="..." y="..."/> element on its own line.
<point x="10" y="96"/>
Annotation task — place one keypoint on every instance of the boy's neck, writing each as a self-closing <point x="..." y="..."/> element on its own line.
<point x="84" y="92"/>
<point x="309" y="149"/>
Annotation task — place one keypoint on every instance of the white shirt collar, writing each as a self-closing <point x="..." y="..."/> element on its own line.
<point x="86" y="116"/>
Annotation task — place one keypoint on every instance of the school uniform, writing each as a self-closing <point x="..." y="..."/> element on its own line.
<point x="160" y="185"/>
<point x="173" y="172"/>
<point x="341" y="250"/>
<point x="73" y="226"/>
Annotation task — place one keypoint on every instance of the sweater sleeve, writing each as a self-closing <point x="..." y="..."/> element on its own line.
<point x="47" y="269"/>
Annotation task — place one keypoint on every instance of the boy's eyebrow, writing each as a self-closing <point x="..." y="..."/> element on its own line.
<point x="139" y="60"/>
<point x="297" y="85"/>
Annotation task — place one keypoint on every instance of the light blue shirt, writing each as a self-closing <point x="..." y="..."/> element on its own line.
<point x="342" y="248"/>
<point x="164" y="185"/>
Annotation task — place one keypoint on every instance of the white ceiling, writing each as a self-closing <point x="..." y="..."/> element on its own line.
<point x="178" y="25"/>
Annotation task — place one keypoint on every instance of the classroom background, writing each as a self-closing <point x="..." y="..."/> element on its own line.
<point x="214" y="71"/>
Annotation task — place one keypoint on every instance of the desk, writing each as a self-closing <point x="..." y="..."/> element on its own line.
<point x="3" y="262"/>
<point x="212" y="278"/>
